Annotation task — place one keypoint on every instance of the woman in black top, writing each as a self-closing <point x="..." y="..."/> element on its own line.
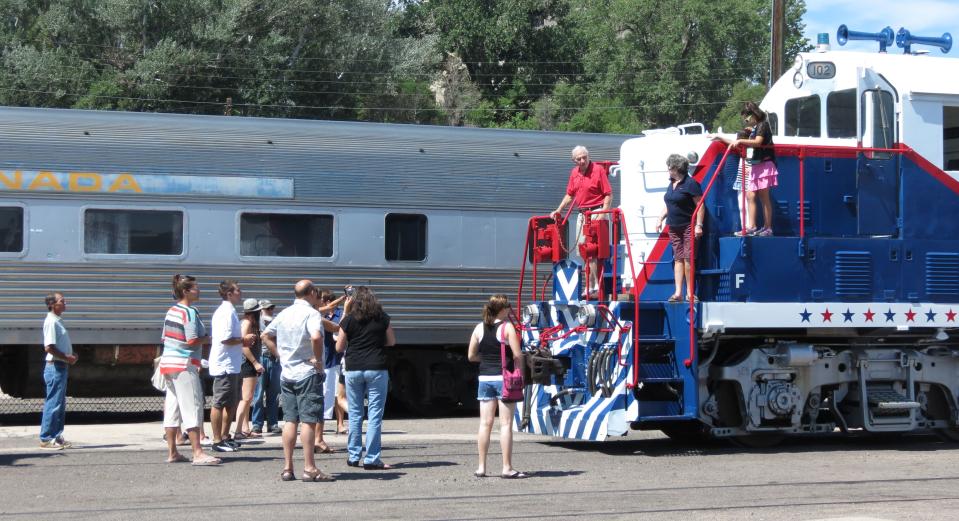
<point x="251" y="369"/>
<point x="682" y="196"/>
<point x="485" y="348"/>
<point x="365" y="333"/>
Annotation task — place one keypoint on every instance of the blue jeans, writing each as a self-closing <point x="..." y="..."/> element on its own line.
<point x="267" y="384"/>
<point x="372" y="386"/>
<point x="55" y="405"/>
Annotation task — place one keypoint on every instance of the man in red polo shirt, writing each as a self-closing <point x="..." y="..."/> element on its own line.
<point x="589" y="188"/>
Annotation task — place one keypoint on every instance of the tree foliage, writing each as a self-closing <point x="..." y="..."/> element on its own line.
<point x="589" y="65"/>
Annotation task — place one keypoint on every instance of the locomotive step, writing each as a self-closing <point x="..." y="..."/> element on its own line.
<point x="888" y="401"/>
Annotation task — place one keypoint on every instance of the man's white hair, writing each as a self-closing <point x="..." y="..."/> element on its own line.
<point x="579" y="149"/>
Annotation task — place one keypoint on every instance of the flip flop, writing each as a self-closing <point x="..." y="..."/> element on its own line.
<point x="251" y="434"/>
<point x="316" y="476"/>
<point x="674" y="298"/>
<point x="515" y="475"/>
<point x="208" y="461"/>
<point x="324" y="450"/>
<point x="179" y="458"/>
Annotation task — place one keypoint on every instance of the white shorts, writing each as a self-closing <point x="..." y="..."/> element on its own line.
<point x="329" y="391"/>
<point x="184" y="404"/>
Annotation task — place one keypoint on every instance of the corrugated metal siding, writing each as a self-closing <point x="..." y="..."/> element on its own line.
<point x="344" y="163"/>
<point x="438" y="306"/>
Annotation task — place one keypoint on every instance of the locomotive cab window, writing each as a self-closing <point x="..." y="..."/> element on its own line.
<point x="133" y="232"/>
<point x="11" y="229"/>
<point x="286" y="235"/>
<point x="803" y="116"/>
<point x="841" y="113"/>
<point x="405" y="237"/>
<point x="950" y="138"/>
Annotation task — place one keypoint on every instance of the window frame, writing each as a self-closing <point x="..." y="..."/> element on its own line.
<point x="25" y="242"/>
<point x="238" y="235"/>
<point x="785" y="121"/>
<point x="82" y="228"/>
<point x="426" y="238"/>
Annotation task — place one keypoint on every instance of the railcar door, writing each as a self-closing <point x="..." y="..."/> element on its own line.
<point x="877" y="173"/>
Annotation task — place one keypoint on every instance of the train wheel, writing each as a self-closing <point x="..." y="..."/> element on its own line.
<point x="950" y="434"/>
<point x="691" y="433"/>
<point x="757" y="441"/>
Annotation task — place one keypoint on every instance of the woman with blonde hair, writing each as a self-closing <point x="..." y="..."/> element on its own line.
<point x="485" y="348"/>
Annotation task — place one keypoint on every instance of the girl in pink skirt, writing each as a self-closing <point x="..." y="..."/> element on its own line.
<point x="762" y="174"/>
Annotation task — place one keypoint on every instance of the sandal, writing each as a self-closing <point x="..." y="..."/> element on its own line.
<point x="287" y="475"/>
<point x="515" y="475"/>
<point x="674" y="298"/>
<point x="316" y="476"/>
<point x="322" y="450"/>
<point x="479" y="474"/>
<point x="179" y="458"/>
<point x="207" y="461"/>
<point x="251" y="434"/>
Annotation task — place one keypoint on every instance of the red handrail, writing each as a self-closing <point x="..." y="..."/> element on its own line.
<point x="691" y="283"/>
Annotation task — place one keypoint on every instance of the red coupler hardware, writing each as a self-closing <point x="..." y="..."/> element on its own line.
<point x="596" y="240"/>
<point x="547" y="241"/>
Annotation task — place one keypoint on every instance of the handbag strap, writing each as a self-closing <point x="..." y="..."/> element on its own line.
<point x="501" y="336"/>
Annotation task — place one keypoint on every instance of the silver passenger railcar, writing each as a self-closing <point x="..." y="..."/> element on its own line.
<point x="107" y="206"/>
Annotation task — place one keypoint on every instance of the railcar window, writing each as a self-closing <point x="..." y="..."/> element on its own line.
<point x="134" y="232"/>
<point x="286" y="235"/>
<point x="11" y="229"/>
<point x="405" y="237"/>
<point x="773" y="122"/>
<point x="841" y="113"/>
<point x="803" y="116"/>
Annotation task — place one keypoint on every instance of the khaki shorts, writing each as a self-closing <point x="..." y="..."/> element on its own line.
<point x="184" y="403"/>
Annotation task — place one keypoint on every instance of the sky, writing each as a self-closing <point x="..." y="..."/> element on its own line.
<point x="920" y="17"/>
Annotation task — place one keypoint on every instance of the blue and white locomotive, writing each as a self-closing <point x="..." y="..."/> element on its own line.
<point x="846" y="319"/>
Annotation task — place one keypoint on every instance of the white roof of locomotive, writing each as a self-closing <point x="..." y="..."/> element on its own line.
<point x="924" y="74"/>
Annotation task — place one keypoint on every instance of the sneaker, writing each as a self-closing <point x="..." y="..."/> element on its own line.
<point x="206" y="442"/>
<point x="223" y="447"/>
<point x="276" y="430"/>
<point x="232" y="443"/>
<point x="257" y="429"/>
<point x="746" y="233"/>
<point x="51" y="445"/>
<point x="64" y="443"/>
<point x="765" y="232"/>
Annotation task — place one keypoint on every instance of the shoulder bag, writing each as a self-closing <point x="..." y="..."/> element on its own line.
<point x="512" y="380"/>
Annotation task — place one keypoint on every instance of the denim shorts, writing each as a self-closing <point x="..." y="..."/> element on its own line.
<point x="303" y="401"/>
<point x="491" y="389"/>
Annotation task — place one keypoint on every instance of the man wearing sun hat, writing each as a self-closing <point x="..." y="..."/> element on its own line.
<point x="267" y="394"/>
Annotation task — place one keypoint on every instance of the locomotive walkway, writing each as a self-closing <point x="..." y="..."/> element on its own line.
<point x="117" y="472"/>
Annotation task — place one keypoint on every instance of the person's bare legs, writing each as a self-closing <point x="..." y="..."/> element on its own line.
<point x="342" y="407"/>
<point x="751" y="205"/>
<point x="487" y="414"/>
<point x="289" y="443"/>
<point x="690" y="285"/>
<point x="307" y="435"/>
<point x="678" y="275"/>
<point x="320" y="443"/>
<point x="171" y="439"/>
<point x="229" y="412"/>
<point x="243" y="409"/>
<point x="506" y="411"/>
<point x="216" y="424"/>
<point x="767" y="208"/>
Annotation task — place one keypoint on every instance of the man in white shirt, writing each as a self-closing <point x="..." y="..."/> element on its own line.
<point x="56" y="342"/>
<point x="226" y="357"/>
<point x="296" y="337"/>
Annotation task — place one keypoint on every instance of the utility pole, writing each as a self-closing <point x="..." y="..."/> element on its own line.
<point x="776" y="44"/>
